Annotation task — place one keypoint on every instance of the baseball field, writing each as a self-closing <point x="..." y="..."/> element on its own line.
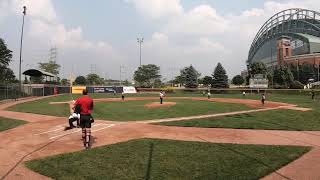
<point x="187" y="137"/>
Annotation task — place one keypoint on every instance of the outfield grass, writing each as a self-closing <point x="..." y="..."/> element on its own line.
<point x="6" y="124"/>
<point x="280" y="119"/>
<point x="135" y="110"/>
<point x="129" y="110"/>
<point x="43" y="107"/>
<point x="168" y="159"/>
<point x="272" y="120"/>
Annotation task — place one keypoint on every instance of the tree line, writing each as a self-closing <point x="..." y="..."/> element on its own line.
<point x="284" y="76"/>
<point x="149" y="76"/>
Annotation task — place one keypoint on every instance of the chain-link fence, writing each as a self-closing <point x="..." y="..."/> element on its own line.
<point x="13" y="91"/>
<point x="8" y="92"/>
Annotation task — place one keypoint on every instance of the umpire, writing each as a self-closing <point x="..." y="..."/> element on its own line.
<point x="86" y="119"/>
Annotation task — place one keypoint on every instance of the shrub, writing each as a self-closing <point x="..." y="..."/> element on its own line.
<point x="296" y="85"/>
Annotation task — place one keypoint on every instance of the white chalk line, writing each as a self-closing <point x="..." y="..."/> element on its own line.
<point x="50" y="131"/>
<point x="81" y="129"/>
<point x="109" y="126"/>
<point x="61" y="128"/>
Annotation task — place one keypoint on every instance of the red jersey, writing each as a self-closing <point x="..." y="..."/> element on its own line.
<point x="86" y="104"/>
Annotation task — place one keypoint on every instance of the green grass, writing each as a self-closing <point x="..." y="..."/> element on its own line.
<point x="128" y="110"/>
<point x="135" y="110"/>
<point x="272" y="120"/>
<point x="6" y="124"/>
<point x="168" y="159"/>
<point x="43" y="107"/>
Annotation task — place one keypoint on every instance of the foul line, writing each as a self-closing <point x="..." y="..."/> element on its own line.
<point x="50" y="131"/>
<point x="80" y="130"/>
<point x="109" y="126"/>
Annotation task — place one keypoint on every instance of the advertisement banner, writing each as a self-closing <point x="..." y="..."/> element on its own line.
<point x="129" y="90"/>
<point x="78" y="89"/>
<point x="103" y="90"/>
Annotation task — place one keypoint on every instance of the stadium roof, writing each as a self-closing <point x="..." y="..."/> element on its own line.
<point x="292" y="23"/>
<point x="37" y="73"/>
<point x="310" y="38"/>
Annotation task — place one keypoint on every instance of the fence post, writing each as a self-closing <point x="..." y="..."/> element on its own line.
<point x="6" y="92"/>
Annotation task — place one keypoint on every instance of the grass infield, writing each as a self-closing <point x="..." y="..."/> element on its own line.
<point x="129" y="110"/>
<point x="168" y="159"/>
<point x="135" y="110"/>
<point x="6" y="124"/>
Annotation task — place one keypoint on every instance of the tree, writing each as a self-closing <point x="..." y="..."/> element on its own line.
<point x="80" y="80"/>
<point x="158" y="83"/>
<point x="306" y="72"/>
<point x="189" y="76"/>
<point x="51" y="67"/>
<point x="207" y="80"/>
<point x="6" y="74"/>
<point x="5" y="54"/>
<point x="282" y="76"/>
<point x="147" y="75"/>
<point x="64" y="82"/>
<point x="258" y="68"/>
<point x="178" y="80"/>
<point x="237" y="80"/>
<point x="220" y="78"/>
<point x="94" y="79"/>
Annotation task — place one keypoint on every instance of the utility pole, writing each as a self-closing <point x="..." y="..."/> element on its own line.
<point x="140" y="41"/>
<point x="20" y="61"/>
<point x="121" y="71"/>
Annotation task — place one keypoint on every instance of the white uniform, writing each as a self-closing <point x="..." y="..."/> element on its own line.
<point x="74" y="115"/>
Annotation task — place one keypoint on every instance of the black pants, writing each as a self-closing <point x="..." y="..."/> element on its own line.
<point x="161" y="100"/>
<point x="73" y="120"/>
<point x="85" y="121"/>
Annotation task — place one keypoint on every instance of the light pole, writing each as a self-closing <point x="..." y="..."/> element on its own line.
<point x="121" y="71"/>
<point x="140" y="41"/>
<point x="20" y="83"/>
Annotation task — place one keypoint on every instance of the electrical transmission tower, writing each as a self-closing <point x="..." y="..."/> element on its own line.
<point x="93" y="68"/>
<point x="53" y="53"/>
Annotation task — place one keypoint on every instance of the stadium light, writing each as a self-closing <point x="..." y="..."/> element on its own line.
<point x="20" y="61"/>
<point x="140" y="41"/>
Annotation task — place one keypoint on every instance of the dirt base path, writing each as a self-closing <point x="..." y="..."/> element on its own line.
<point x="45" y="136"/>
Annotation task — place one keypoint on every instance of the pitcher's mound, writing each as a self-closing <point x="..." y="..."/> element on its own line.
<point x="158" y="105"/>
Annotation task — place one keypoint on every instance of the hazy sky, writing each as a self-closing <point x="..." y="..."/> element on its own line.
<point x="101" y="35"/>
